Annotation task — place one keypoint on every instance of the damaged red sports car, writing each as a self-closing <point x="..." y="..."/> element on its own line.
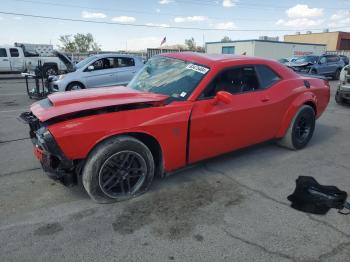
<point x="181" y="108"/>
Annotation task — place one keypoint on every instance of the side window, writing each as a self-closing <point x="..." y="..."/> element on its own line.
<point x="332" y="59"/>
<point x="323" y="60"/>
<point x="3" y="52"/>
<point x="267" y="77"/>
<point x="105" y="63"/>
<point x="236" y="80"/>
<point x="125" y="62"/>
<point x="14" y="52"/>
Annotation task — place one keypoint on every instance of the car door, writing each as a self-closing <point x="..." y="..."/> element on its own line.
<point x="322" y="65"/>
<point x="15" y="59"/>
<point x="126" y="70"/>
<point x="252" y="116"/>
<point x="103" y="73"/>
<point x="5" y="65"/>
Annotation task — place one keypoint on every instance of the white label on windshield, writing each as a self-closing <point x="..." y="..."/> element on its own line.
<point x="197" y="68"/>
<point x="183" y="94"/>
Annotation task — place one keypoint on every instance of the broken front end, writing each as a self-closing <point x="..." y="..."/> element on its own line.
<point x="53" y="161"/>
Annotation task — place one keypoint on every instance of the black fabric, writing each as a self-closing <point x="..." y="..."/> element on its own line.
<point x="311" y="197"/>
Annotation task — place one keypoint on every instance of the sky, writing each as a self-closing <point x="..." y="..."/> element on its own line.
<point x="237" y="19"/>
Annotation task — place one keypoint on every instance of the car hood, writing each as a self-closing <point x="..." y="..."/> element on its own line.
<point x="291" y="64"/>
<point x="67" y="103"/>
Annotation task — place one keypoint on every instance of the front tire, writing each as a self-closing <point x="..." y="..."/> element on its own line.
<point x="300" y="130"/>
<point x="118" y="169"/>
<point x="75" y="86"/>
<point x="338" y="99"/>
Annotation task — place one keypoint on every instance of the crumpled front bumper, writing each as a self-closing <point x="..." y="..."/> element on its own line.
<point x="53" y="161"/>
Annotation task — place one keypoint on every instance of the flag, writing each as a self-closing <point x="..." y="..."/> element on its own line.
<point x="163" y="41"/>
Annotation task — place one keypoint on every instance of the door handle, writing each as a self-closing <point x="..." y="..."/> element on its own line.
<point x="5" y="60"/>
<point x="265" y="99"/>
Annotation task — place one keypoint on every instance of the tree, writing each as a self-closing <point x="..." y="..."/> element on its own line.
<point x="79" y="43"/>
<point x="226" y="39"/>
<point x="191" y="44"/>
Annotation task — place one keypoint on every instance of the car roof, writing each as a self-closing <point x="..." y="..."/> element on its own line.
<point x="113" y="54"/>
<point x="212" y="59"/>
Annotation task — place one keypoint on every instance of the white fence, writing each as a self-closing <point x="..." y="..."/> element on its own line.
<point x="340" y="52"/>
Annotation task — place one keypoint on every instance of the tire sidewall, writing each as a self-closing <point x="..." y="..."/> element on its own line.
<point x="98" y="157"/>
<point x="69" y="87"/>
<point x="308" y="112"/>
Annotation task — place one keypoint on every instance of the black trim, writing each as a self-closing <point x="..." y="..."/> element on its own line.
<point x="188" y="137"/>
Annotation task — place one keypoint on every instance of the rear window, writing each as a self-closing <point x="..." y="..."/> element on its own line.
<point x="266" y="76"/>
<point x="14" y="52"/>
<point x="3" y="52"/>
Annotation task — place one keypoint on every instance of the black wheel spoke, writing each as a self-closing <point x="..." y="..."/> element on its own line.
<point x="122" y="174"/>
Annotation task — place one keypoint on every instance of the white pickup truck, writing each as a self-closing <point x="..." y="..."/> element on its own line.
<point x="15" y="59"/>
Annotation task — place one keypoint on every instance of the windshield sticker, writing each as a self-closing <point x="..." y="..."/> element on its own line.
<point x="183" y="94"/>
<point x="197" y="68"/>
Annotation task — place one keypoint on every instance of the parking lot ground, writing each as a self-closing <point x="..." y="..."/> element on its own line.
<point x="231" y="208"/>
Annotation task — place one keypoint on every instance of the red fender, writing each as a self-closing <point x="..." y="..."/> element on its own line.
<point x="299" y="101"/>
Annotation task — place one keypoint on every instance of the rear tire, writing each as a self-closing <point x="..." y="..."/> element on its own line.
<point x="300" y="130"/>
<point x="118" y="169"/>
<point x="337" y="74"/>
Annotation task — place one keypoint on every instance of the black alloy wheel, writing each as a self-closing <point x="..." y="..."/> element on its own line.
<point x="122" y="174"/>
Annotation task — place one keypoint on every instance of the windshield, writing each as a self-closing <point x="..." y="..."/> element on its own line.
<point x="307" y="59"/>
<point x="84" y="62"/>
<point x="169" y="76"/>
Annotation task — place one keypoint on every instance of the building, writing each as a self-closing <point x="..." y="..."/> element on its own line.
<point x="334" y="40"/>
<point x="264" y="48"/>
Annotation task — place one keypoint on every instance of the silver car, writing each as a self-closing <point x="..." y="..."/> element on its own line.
<point x="97" y="71"/>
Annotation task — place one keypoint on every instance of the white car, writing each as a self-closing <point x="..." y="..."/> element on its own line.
<point x="97" y="71"/>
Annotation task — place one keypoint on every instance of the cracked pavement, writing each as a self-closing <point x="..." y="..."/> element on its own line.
<point x="230" y="208"/>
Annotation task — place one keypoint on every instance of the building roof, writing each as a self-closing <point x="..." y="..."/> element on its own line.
<point x="320" y="33"/>
<point x="211" y="59"/>
<point x="258" y="40"/>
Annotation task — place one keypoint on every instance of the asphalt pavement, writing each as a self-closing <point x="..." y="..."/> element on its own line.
<point x="231" y="208"/>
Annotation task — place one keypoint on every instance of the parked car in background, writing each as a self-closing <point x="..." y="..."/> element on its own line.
<point x="345" y="59"/>
<point x="287" y="60"/>
<point x="16" y="59"/>
<point x="326" y="65"/>
<point x="181" y="108"/>
<point x="97" y="71"/>
<point x="343" y="92"/>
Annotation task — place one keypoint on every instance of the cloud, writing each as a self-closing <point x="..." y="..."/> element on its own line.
<point x="340" y="19"/>
<point x="225" y="25"/>
<point x="17" y="18"/>
<point x="158" y="10"/>
<point x="301" y="11"/>
<point x="124" y="19"/>
<point x="196" y="18"/>
<point x="144" y="42"/>
<point x="86" y="14"/>
<point x="161" y="25"/>
<point x="165" y="2"/>
<point x="228" y="3"/>
<point x="1" y="18"/>
<point x="300" y="22"/>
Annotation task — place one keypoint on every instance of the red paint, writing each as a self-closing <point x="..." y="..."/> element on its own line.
<point x="216" y="125"/>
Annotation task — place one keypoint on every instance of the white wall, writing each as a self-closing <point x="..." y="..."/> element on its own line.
<point x="279" y="50"/>
<point x="270" y="50"/>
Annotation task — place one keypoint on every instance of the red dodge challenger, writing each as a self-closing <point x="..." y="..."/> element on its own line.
<point x="179" y="109"/>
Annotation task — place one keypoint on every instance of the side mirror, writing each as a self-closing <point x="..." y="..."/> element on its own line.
<point x="223" y="96"/>
<point x="90" y="68"/>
